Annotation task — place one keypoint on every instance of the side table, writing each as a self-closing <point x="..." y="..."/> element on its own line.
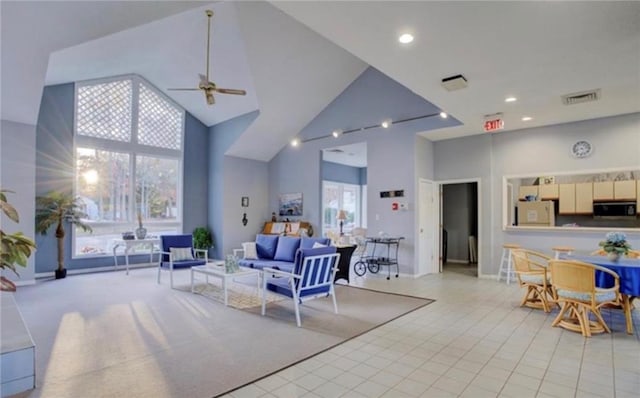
<point x="344" y="265"/>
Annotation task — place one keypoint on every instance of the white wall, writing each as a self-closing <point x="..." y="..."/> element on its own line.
<point x="542" y="150"/>
<point x="18" y="174"/>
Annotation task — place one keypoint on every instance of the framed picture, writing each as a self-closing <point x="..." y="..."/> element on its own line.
<point x="291" y="204"/>
<point x="245" y="201"/>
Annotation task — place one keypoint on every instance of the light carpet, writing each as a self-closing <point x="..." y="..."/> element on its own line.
<point x="113" y="335"/>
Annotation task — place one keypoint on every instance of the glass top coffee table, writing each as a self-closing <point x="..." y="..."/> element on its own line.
<point x="216" y="269"/>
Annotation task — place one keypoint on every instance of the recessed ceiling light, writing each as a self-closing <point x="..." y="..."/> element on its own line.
<point x="336" y="133"/>
<point x="510" y="99"/>
<point x="295" y="142"/>
<point x="386" y="123"/>
<point x="444" y="115"/>
<point x="405" y="38"/>
<point x="526" y="118"/>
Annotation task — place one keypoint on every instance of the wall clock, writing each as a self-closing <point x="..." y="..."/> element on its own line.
<point x="581" y="149"/>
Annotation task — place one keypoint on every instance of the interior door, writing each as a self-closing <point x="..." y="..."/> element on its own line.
<point x="426" y="228"/>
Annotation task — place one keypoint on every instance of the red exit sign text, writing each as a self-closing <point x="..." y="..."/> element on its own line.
<point x="493" y="125"/>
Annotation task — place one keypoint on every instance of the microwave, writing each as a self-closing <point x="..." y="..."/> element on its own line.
<point x="615" y="209"/>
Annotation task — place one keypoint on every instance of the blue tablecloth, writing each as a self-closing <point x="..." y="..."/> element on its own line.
<point x="628" y="269"/>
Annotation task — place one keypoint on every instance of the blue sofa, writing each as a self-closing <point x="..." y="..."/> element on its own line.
<point x="278" y="252"/>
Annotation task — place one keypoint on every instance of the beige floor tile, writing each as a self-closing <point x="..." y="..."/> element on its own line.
<point x="450" y="385"/>
<point x="330" y="390"/>
<point x="371" y="389"/>
<point x="349" y="380"/>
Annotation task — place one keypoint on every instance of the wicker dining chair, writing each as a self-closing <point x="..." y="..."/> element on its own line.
<point x="531" y="269"/>
<point x="575" y="288"/>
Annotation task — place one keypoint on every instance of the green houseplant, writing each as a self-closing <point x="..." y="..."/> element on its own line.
<point x="202" y="238"/>
<point x="59" y="208"/>
<point x="16" y="248"/>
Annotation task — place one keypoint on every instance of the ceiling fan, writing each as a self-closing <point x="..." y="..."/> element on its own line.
<point x="207" y="86"/>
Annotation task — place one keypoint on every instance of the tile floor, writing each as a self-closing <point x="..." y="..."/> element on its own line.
<point x="474" y="341"/>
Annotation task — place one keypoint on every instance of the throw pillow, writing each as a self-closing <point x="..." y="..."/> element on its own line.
<point x="250" y="251"/>
<point x="286" y="248"/>
<point x="181" y="253"/>
<point x="266" y="246"/>
<point x="317" y="245"/>
<point x="307" y="243"/>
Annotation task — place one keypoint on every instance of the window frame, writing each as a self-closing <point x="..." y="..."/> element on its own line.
<point x="341" y="185"/>
<point x="133" y="149"/>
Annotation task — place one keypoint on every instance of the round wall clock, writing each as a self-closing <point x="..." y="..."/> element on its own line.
<point x="581" y="149"/>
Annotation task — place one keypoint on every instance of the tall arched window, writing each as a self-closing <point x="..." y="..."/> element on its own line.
<point x="129" y="149"/>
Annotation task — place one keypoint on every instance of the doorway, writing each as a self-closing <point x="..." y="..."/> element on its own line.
<point x="460" y="226"/>
<point x="344" y="189"/>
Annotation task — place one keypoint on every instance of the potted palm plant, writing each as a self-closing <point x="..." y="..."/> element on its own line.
<point x="15" y="248"/>
<point x="59" y="208"/>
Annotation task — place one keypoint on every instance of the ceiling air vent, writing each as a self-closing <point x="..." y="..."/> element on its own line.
<point x="578" y="98"/>
<point x="453" y="83"/>
<point x="335" y="150"/>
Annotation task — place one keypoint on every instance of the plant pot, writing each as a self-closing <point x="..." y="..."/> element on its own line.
<point x="61" y="273"/>
<point x="141" y="233"/>
<point x="6" y="285"/>
<point x="613" y="256"/>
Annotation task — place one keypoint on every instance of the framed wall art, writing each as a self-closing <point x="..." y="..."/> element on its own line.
<point x="290" y="204"/>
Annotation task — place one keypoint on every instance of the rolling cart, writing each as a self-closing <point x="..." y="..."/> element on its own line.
<point x="375" y="256"/>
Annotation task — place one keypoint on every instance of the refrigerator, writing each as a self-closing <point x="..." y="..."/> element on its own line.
<point x="536" y="213"/>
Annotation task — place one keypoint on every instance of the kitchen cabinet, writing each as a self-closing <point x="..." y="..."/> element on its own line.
<point x="567" y="199"/>
<point x="584" y="198"/>
<point x="603" y="190"/>
<point x="548" y="191"/>
<point x="526" y="190"/>
<point x="624" y="190"/>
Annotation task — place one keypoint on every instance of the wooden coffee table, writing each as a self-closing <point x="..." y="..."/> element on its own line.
<point x="216" y="269"/>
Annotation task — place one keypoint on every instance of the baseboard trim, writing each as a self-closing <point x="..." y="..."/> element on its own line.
<point x="96" y="269"/>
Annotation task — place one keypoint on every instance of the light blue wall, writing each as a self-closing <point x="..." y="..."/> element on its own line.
<point x="195" y="190"/>
<point x="222" y="135"/>
<point x="392" y="155"/>
<point x="244" y="177"/>
<point x="55" y="171"/>
<point x="363" y="175"/>
<point x="536" y="151"/>
<point x="342" y="173"/>
<point x="17" y="174"/>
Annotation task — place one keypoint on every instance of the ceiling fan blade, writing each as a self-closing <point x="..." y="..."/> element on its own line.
<point x="231" y="91"/>
<point x="183" y="89"/>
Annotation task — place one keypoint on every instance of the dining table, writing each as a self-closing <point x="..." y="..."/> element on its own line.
<point x="628" y="269"/>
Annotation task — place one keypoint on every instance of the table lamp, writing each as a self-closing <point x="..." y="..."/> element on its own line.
<point x="342" y="215"/>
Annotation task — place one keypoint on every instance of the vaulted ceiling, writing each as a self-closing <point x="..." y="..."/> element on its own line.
<point x="294" y="58"/>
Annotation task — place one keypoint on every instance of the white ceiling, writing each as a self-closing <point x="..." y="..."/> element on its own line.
<point x="536" y="51"/>
<point x="354" y="155"/>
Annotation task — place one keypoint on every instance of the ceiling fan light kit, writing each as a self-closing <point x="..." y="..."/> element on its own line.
<point x="208" y="87"/>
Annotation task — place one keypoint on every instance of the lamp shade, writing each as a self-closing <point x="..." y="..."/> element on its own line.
<point x="342" y="215"/>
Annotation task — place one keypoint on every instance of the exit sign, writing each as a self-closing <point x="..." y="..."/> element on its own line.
<point x="494" y="124"/>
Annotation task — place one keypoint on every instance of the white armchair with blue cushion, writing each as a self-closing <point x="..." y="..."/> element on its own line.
<point x="312" y="277"/>
<point x="177" y="252"/>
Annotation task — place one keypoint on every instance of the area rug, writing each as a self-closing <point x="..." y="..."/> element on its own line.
<point x="239" y="295"/>
<point x="109" y="334"/>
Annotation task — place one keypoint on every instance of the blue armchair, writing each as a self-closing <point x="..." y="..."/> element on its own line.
<point x="177" y="252"/>
<point x="312" y="277"/>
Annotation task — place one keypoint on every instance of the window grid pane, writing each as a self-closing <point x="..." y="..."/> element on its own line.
<point x="159" y="122"/>
<point x="104" y="110"/>
<point x="156" y="188"/>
